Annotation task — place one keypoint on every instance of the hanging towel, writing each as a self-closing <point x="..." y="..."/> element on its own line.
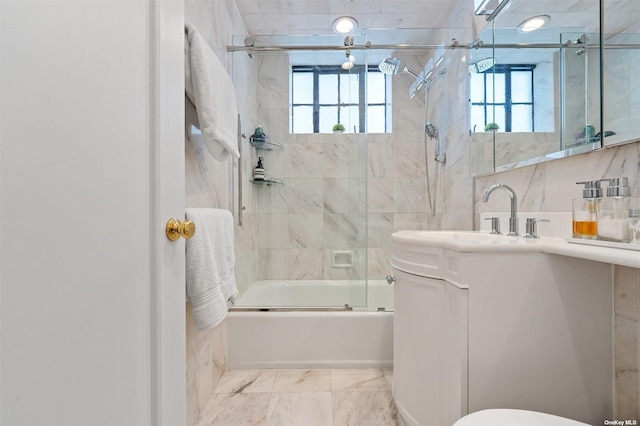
<point x="210" y="264"/>
<point x="209" y="88"/>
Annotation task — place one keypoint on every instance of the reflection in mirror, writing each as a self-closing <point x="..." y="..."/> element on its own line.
<point x="621" y="68"/>
<point x="540" y="98"/>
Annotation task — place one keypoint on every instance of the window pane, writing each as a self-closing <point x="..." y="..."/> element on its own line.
<point x="328" y="117"/>
<point x="500" y="87"/>
<point x="477" y="118"/>
<point x="334" y="85"/>
<point x="521" y="118"/>
<point x="328" y="87"/>
<point x="302" y="118"/>
<point x="375" y="88"/>
<point x="477" y="88"/>
<point x="350" y="116"/>
<point x="499" y="117"/>
<point x="489" y="82"/>
<point x="349" y="89"/>
<point x="375" y="119"/>
<point x="302" y="88"/>
<point x="521" y="86"/>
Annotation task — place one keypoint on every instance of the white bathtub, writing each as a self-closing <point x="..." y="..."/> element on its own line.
<point x="305" y="339"/>
<point x="319" y="293"/>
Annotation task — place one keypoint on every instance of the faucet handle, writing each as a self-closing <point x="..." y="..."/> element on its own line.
<point x="495" y="225"/>
<point x="531" y="228"/>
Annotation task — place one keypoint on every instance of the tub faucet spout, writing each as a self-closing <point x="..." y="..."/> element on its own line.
<point x="513" y="220"/>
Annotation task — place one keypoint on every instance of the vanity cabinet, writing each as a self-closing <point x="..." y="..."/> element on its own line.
<point x="429" y="351"/>
<point x="506" y="328"/>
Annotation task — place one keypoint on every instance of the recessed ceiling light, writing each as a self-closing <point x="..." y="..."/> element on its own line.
<point x="534" y="23"/>
<point x="344" y="25"/>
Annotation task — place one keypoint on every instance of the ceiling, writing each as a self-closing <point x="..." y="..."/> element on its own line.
<point x="314" y="17"/>
<point x="397" y="21"/>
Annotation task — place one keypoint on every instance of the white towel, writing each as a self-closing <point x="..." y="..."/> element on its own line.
<point x="210" y="89"/>
<point x="210" y="262"/>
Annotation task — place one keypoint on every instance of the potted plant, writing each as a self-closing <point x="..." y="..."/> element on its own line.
<point x="491" y="126"/>
<point x="338" y="128"/>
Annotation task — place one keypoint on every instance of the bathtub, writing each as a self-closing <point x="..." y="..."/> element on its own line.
<point x="299" y="338"/>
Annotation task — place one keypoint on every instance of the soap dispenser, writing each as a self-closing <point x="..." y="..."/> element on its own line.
<point x="613" y="211"/>
<point x="584" y="210"/>
<point x="258" y="172"/>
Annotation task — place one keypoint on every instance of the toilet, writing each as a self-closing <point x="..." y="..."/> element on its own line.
<point x="511" y="417"/>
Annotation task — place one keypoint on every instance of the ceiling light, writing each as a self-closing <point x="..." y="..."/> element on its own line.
<point x="344" y="25"/>
<point x="534" y="23"/>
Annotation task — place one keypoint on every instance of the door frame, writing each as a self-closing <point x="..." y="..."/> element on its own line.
<point x="167" y="199"/>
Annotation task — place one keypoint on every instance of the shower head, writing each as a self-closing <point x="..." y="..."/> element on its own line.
<point x="482" y="65"/>
<point x="389" y="66"/>
<point x="431" y="129"/>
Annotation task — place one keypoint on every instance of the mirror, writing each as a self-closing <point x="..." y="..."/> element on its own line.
<point x="621" y="60"/>
<point x="534" y="95"/>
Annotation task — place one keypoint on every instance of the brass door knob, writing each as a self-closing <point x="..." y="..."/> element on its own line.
<point x="175" y="229"/>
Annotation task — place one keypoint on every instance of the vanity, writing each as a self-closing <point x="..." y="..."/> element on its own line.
<point x="490" y="321"/>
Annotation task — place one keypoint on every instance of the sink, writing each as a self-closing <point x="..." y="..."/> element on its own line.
<point x="462" y="236"/>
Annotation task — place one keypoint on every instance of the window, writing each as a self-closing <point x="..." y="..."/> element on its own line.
<point x="322" y="96"/>
<point x="503" y="95"/>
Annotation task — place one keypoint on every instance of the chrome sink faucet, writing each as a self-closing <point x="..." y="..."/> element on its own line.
<point x="513" y="220"/>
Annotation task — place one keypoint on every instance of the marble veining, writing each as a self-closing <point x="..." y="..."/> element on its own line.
<point x="302" y="397"/>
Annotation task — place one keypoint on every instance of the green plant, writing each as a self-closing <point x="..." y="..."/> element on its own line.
<point x="491" y="126"/>
<point x="338" y="127"/>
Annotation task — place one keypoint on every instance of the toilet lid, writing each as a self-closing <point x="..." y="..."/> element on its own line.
<point x="509" y="417"/>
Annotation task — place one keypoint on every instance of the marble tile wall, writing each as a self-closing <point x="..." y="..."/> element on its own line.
<point x="623" y="92"/>
<point x="322" y="206"/>
<point x="626" y="334"/>
<point x="209" y="183"/>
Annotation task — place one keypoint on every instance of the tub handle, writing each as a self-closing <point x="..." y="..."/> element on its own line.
<point x="391" y="279"/>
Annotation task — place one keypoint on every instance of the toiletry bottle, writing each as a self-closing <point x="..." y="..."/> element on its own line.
<point x="258" y="135"/>
<point x="634" y="226"/>
<point x="584" y="210"/>
<point x="589" y="133"/>
<point x="258" y="172"/>
<point x="613" y="211"/>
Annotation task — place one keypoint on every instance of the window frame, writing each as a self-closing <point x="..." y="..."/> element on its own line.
<point x="317" y="71"/>
<point x="508" y="104"/>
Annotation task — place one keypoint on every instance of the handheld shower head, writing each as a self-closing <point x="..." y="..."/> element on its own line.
<point x="431" y="129"/>
<point x="440" y="146"/>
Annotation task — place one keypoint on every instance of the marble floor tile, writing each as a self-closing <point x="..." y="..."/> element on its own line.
<point x="246" y="381"/>
<point x="357" y="408"/>
<point x="301" y="398"/>
<point x="304" y="408"/>
<point x="358" y="380"/>
<point x="235" y="409"/>
<point x="302" y="381"/>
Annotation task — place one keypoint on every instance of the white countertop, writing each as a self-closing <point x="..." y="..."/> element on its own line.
<point x="483" y="242"/>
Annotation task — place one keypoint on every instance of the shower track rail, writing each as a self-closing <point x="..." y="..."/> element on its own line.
<point x="368" y="46"/>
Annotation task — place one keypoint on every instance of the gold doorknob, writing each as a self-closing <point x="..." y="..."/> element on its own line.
<point x="175" y="229"/>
